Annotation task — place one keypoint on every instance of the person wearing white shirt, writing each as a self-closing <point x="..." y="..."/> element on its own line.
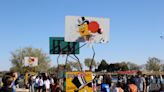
<point x="36" y="84"/>
<point x="40" y="83"/>
<point x="51" y="81"/>
<point x="47" y="84"/>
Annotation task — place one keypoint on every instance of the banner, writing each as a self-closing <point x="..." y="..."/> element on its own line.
<point x="78" y="81"/>
<point x="30" y="61"/>
<point x="83" y="29"/>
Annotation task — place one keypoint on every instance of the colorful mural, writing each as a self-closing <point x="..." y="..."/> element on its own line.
<point x="78" y="81"/>
<point x="83" y="29"/>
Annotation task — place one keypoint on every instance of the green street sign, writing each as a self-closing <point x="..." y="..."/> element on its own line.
<point x="59" y="46"/>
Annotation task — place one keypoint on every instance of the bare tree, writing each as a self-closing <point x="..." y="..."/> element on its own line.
<point x="133" y="66"/>
<point x="153" y="64"/>
<point x="88" y="61"/>
<point x="75" y="65"/>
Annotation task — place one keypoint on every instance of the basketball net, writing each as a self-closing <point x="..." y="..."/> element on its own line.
<point x="63" y="55"/>
<point x="89" y="42"/>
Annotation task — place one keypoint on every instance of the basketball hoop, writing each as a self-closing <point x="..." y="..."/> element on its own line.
<point x="90" y="42"/>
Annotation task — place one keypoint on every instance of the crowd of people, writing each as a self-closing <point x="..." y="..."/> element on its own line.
<point x="100" y="83"/>
<point x="44" y="83"/>
<point x="36" y="83"/>
<point x="128" y="83"/>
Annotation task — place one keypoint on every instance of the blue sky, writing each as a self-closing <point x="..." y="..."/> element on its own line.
<point x="135" y="27"/>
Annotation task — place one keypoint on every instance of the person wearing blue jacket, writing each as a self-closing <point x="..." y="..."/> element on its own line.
<point x="105" y="86"/>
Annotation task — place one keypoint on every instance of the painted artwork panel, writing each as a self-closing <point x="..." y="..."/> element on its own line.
<point x="78" y="81"/>
<point x="30" y="61"/>
<point x="84" y="29"/>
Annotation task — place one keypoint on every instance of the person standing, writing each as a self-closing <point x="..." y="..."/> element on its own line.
<point x="105" y="86"/>
<point x="142" y="83"/>
<point x="40" y="83"/>
<point x="147" y="79"/>
<point x="94" y="85"/>
<point x="36" y="86"/>
<point x="7" y="84"/>
<point x="118" y="87"/>
<point x="56" y="87"/>
<point x="14" y="76"/>
<point x="30" y="82"/>
<point x="46" y="83"/>
<point x="132" y="87"/>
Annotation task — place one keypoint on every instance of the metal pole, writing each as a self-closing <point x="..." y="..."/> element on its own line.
<point x="75" y="56"/>
<point x="78" y="62"/>
<point x="58" y="65"/>
<point x="92" y="58"/>
<point x="72" y="57"/>
<point x="80" y="47"/>
<point x="65" y="67"/>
